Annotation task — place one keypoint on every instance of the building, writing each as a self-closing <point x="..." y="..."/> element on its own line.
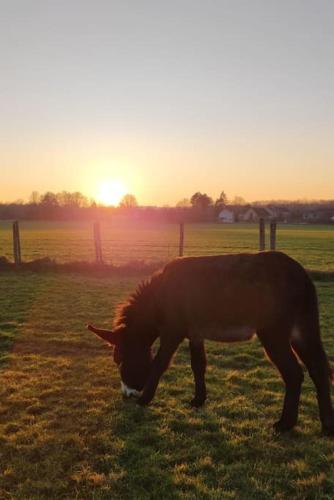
<point x="254" y="214"/>
<point x="226" y="216"/>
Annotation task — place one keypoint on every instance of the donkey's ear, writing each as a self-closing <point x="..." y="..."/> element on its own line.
<point x="107" y="335"/>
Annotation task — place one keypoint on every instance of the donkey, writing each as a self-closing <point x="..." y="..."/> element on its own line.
<point x="224" y="298"/>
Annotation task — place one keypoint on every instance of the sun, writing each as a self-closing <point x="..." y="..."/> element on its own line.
<point x="110" y="192"/>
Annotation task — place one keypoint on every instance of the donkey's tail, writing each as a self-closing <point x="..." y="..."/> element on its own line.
<point x="306" y="339"/>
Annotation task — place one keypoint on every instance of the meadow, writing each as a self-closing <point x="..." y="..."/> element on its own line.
<point x="66" y="432"/>
<point x="312" y="245"/>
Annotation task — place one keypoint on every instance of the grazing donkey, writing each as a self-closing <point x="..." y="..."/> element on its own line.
<point x="224" y="298"/>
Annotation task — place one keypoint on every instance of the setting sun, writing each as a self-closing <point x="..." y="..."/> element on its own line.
<point x="110" y="192"/>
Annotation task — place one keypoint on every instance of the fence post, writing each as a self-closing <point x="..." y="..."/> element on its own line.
<point x="273" y="226"/>
<point x="181" y="241"/>
<point x="16" y="243"/>
<point x="97" y="241"/>
<point x="262" y="241"/>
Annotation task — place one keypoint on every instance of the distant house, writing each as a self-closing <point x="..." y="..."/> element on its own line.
<point x="311" y="216"/>
<point x="283" y="214"/>
<point x="226" y="216"/>
<point x="321" y="215"/>
<point x="254" y="214"/>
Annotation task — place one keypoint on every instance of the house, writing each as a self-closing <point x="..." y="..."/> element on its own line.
<point x="283" y="213"/>
<point x="226" y="216"/>
<point x="320" y="215"/>
<point x="311" y="216"/>
<point x="254" y="214"/>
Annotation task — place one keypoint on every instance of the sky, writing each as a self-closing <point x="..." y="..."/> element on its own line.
<point x="167" y="98"/>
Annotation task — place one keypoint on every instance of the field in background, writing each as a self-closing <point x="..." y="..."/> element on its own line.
<point x="312" y="245"/>
<point x="66" y="432"/>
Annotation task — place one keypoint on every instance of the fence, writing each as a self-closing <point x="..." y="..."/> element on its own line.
<point x="120" y="243"/>
<point x="98" y="240"/>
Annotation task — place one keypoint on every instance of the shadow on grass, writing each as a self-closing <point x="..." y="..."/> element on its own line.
<point x="15" y="303"/>
<point x="228" y="448"/>
<point x="171" y="450"/>
<point x="65" y="432"/>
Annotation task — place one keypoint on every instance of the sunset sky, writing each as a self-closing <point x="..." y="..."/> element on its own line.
<point x="166" y="98"/>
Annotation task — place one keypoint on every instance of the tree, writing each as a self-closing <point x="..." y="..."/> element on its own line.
<point x="185" y="202"/>
<point x="49" y="200"/>
<point x="238" y="200"/>
<point x="34" y="198"/>
<point x="72" y="200"/>
<point x="201" y="201"/>
<point x="128" y="201"/>
<point x="222" y="200"/>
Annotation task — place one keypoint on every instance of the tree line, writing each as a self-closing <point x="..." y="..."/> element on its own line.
<point x="74" y="205"/>
<point x="76" y="199"/>
<point x="200" y="207"/>
<point x="67" y="204"/>
<point x="62" y="205"/>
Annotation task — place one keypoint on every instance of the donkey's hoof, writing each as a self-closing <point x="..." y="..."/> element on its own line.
<point x="328" y="431"/>
<point x="328" y="427"/>
<point x="143" y="401"/>
<point x="283" y="426"/>
<point x="197" y="402"/>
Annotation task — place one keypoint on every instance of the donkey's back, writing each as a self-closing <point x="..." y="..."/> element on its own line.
<point x="230" y="297"/>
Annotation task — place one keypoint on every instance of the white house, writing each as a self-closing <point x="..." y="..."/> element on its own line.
<point x="254" y="214"/>
<point x="226" y="216"/>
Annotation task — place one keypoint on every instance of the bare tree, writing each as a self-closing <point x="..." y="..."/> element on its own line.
<point x="49" y="199"/>
<point x="72" y="200"/>
<point x="238" y="200"/>
<point x="185" y="202"/>
<point x="128" y="201"/>
<point x="34" y="198"/>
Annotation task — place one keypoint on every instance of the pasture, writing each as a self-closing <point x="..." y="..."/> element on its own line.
<point x="312" y="245"/>
<point x="66" y="432"/>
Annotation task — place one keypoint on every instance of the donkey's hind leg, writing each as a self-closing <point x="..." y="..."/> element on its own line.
<point x="313" y="356"/>
<point x="277" y="346"/>
<point x="198" y="365"/>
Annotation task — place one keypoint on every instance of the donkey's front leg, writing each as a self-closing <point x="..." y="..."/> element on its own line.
<point x="159" y="366"/>
<point x="198" y="365"/>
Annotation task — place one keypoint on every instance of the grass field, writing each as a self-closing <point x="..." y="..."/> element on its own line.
<point x="66" y="432"/>
<point x="312" y="245"/>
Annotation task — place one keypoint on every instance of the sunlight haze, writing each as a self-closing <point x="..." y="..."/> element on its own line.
<point x="167" y="98"/>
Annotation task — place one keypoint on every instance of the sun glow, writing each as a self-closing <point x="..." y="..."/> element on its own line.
<point x="110" y="192"/>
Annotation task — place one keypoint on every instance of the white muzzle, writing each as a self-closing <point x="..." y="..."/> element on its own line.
<point x="128" y="392"/>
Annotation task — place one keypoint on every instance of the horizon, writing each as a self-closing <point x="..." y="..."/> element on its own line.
<point x="141" y="205"/>
<point x="165" y="99"/>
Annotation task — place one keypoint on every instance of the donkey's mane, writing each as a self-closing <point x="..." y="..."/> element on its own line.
<point x="138" y="301"/>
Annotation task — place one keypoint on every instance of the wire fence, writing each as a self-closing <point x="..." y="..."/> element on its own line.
<point x="121" y="243"/>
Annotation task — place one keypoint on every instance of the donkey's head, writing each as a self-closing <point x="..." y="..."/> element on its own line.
<point x="132" y="357"/>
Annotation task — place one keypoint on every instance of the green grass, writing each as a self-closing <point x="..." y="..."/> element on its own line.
<point x="66" y="432"/>
<point x="312" y="245"/>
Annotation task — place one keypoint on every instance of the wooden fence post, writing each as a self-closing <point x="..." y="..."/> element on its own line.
<point x="97" y="241"/>
<point x="181" y="241"/>
<point x="262" y="241"/>
<point x="273" y="226"/>
<point x="16" y="243"/>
